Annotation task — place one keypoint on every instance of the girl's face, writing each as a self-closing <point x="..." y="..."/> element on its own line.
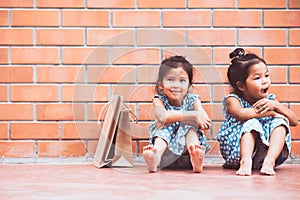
<point x="257" y="83"/>
<point x="175" y="85"/>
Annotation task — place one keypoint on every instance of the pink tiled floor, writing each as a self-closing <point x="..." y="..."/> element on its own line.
<point x="84" y="181"/>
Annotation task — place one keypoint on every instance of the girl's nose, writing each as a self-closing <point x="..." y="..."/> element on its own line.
<point x="176" y="84"/>
<point x="265" y="80"/>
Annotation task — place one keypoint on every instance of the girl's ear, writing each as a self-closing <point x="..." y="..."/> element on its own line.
<point x="241" y="86"/>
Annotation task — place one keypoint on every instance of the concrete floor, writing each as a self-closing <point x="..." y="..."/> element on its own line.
<point x="84" y="181"/>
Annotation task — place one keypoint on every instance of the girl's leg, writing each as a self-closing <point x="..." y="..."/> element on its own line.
<point x="152" y="154"/>
<point x="246" y="151"/>
<point x="196" y="151"/>
<point x="277" y="141"/>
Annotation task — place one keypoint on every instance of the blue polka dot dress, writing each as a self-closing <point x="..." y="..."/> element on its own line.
<point x="231" y="131"/>
<point x="174" y="134"/>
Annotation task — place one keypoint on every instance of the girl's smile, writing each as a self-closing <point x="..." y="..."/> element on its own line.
<point x="175" y="85"/>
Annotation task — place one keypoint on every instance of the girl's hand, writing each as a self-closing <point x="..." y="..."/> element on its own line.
<point x="203" y="121"/>
<point x="264" y="105"/>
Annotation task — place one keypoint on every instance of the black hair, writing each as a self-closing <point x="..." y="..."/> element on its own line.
<point x="174" y="62"/>
<point x="238" y="70"/>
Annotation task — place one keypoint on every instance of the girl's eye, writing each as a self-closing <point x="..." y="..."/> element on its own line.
<point x="256" y="78"/>
<point x="183" y="80"/>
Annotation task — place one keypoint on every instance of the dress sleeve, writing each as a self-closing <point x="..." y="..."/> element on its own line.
<point x="224" y="102"/>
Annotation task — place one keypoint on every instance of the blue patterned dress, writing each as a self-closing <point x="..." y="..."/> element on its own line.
<point x="231" y="131"/>
<point x="174" y="134"/>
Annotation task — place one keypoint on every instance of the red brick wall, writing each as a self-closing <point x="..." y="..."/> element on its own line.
<point x="60" y="61"/>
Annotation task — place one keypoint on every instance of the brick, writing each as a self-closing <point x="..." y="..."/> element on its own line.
<point x="60" y="111"/>
<point x="4" y="18"/>
<point x="278" y="74"/>
<point x="214" y="111"/>
<point x="80" y="130"/>
<point x="111" y="4"/>
<point x="214" y="148"/>
<point x="12" y="36"/>
<point x="217" y="37"/>
<point x="136" y="19"/>
<point x="16" y="112"/>
<point x="145" y="111"/>
<point x="281" y="18"/>
<point x="160" y="37"/>
<point x="60" y="74"/>
<point x="286" y="94"/>
<point x="60" y="37"/>
<point x="86" y="55"/>
<point x="195" y="55"/>
<point x="191" y="18"/>
<point x="220" y="91"/>
<point x="34" y="93"/>
<point x="161" y="4"/>
<point x="135" y="93"/>
<point x="295" y="107"/>
<point x="94" y="110"/>
<point x="215" y="129"/>
<point x="60" y="4"/>
<point x="294" y="4"/>
<point x="147" y="74"/>
<point x="254" y="37"/>
<point x="221" y="55"/>
<point x="34" y="55"/>
<point x="211" y="4"/>
<point x="262" y="4"/>
<point x="282" y="55"/>
<point x="203" y="91"/>
<point x="136" y="56"/>
<point x="16" y="4"/>
<point x="16" y="74"/>
<point x="295" y="132"/>
<point x="210" y="74"/>
<point x="76" y="93"/>
<point x="295" y="149"/>
<point x="3" y="55"/>
<point x="294" y="39"/>
<point x="294" y="75"/>
<point x="85" y="18"/>
<point x="91" y="147"/>
<point x="3" y="93"/>
<point x="111" y="74"/>
<point x="33" y="130"/>
<point x="117" y="37"/>
<point x="228" y="18"/>
<point x="61" y="149"/>
<point x="3" y="131"/>
<point x="17" y="149"/>
<point x="35" y="18"/>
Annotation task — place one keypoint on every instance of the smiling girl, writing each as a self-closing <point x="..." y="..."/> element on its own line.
<point x="179" y="117"/>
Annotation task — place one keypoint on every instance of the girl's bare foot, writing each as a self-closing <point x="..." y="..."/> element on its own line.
<point x="151" y="159"/>
<point x="197" y="153"/>
<point x="245" y="168"/>
<point x="268" y="167"/>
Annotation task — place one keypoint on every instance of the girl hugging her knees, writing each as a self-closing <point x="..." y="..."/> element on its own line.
<point x="176" y="139"/>
<point x="255" y="133"/>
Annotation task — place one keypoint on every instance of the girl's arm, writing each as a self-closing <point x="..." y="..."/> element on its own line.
<point x="265" y="105"/>
<point x="169" y="116"/>
<point x="202" y="119"/>
<point x="234" y="108"/>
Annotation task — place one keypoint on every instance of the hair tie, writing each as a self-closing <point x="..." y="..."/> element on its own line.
<point x="241" y="53"/>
